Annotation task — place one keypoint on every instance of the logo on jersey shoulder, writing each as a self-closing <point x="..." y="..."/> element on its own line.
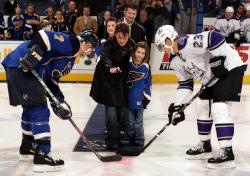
<point x="60" y="38"/>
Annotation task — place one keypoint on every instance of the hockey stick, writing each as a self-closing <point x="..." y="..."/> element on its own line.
<point x="116" y="157"/>
<point x="203" y="87"/>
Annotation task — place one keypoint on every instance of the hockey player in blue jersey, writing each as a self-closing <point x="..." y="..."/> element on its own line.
<point x="51" y="55"/>
<point x="139" y="95"/>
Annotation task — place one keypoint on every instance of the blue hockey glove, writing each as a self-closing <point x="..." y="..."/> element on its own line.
<point x="178" y="117"/>
<point x="31" y="59"/>
<point x="217" y="66"/>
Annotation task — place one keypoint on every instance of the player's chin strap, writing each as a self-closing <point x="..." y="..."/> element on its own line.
<point x="116" y="157"/>
<point x="203" y="87"/>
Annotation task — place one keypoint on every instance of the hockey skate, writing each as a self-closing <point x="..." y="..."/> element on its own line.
<point x="43" y="162"/>
<point x="27" y="151"/>
<point x="200" y="152"/>
<point x="224" y="159"/>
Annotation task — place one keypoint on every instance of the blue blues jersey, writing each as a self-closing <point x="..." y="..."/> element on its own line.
<point x="16" y="27"/>
<point x="59" y="57"/>
<point x="139" y="85"/>
<point x="99" y="49"/>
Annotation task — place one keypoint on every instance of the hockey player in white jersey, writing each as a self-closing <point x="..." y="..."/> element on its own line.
<point x="229" y="26"/>
<point x="245" y="26"/>
<point x="203" y="57"/>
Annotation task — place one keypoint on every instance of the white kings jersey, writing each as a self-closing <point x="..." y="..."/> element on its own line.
<point x="192" y="61"/>
<point x="227" y="27"/>
<point x="245" y="29"/>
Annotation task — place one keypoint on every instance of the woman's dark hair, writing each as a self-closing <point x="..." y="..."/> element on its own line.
<point x="123" y="28"/>
<point x="143" y="45"/>
<point x="106" y="34"/>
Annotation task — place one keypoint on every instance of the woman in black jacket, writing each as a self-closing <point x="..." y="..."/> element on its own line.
<point x="109" y="83"/>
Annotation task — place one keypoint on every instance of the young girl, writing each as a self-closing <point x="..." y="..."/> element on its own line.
<point x="139" y="93"/>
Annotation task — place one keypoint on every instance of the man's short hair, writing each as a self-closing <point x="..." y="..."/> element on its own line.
<point x="131" y="6"/>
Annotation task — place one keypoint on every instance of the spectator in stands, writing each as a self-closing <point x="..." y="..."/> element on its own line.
<point x="109" y="33"/>
<point x="245" y="27"/>
<point x="100" y="15"/>
<point x="2" y="25"/>
<point x="229" y="26"/>
<point x="71" y="14"/>
<point x="32" y="22"/>
<point x="59" y="25"/>
<point x="137" y="32"/>
<point x="85" y="22"/>
<point x="16" y="24"/>
<point x="240" y="12"/>
<point x="9" y="7"/>
<point x="148" y="26"/>
<point x="102" y="26"/>
<point x="164" y="13"/>
<point x="48" y="20"/>
<point x="57" y="4"/>
<point x="109" y="83"/>
<point x="120" y="8"/>
<point x="209" y="7"/>
<point x="246" y="3"/>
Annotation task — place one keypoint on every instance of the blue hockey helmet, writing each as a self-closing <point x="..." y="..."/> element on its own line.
<point x="89" y="36"/>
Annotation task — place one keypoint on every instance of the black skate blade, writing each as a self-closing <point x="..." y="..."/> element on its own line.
<point x="111" y="158"/>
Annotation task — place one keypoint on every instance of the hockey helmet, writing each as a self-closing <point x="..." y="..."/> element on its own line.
<point x="89" y="36"/>
<point x="166" y="31"/>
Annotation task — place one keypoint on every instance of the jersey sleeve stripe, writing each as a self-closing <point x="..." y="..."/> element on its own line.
<point x="187" y="84"/>
<point x="45" y="39"/>
<point x="215" y="40"/>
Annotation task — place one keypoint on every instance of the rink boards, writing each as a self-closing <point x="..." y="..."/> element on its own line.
<point x="84" y="68"/>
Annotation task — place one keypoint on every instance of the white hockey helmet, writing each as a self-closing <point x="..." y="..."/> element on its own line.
<point x="166" y="31"/>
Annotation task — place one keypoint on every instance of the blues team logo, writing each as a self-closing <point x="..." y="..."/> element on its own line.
<point x="60" y="38"/>
<point x="134" y="76"/>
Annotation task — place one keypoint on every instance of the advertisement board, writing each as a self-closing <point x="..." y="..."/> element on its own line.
<point x="84" y="68"/>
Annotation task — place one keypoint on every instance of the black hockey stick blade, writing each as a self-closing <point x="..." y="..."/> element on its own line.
<point x="111" y="158"/>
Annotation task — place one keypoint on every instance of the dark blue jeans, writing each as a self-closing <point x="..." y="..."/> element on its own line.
<point x="135" y="129"/>
<point x="114" y="117"/>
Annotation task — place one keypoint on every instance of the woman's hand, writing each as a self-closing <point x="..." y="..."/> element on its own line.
<point x="115" y="70"/>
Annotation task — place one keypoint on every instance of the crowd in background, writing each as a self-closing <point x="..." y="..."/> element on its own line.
<point x="26" y="17"/>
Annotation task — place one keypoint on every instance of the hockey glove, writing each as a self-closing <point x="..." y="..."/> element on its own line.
<point x="30" y="60"/>
<point x="62" y="112"/>
<point x="217" y="66"/>
<point x="178" y="116"/>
